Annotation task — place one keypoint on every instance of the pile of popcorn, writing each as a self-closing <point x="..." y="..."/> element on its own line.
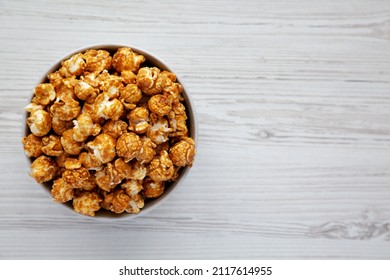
<point x="108" y="133"/>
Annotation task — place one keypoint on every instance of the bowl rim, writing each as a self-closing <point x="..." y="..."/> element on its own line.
<point x="191" y="120"/>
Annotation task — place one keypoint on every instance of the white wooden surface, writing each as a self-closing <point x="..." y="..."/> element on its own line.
<point x="293" y="100"/>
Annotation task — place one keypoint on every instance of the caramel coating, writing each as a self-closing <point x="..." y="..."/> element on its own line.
<point x="130" y="95"/>
<point x="132" y="187"/>
<point x="136" y="204"/>
<point x="44" y="94"/>
<point x="160" y="104"/>
<point x="183" y="152"/>
<point x="108" y="177"/>
<point x="161" y="167"/>
<point x="32" y="107"/>
<point x="87" y="203"/>
<point x="52" y="146"/>
<point x="150" y="81"/>
<point x="85" y="91"/>
<point x="138" y="120"/>
<point x="73" y="66"/>
<point x="32" y="145"/>
<point x="84" y="127"/>
<point x="59" y="126"/>
<point x="158" y="130"/>
<point x="117" y="201"/>
<point x="128" y="146"/>
<point x="97" y="60"/>
<point x="177" y="121"/>
<point x="61" y="191"/>
<point x="43" y="169"/>
<point x="65" y="108"/>
<point x="152" y="189"/>
<point x="147" y="152"/>
<point x="128" y="77"/>
<point x="103" y="147"/>
<point x="126" y="59"/>
<point x="90" y="161"/>
<point x="70" y="145"/>
<point x="72" y="163"/>
<point x="115" y="128"/>
<point x="39" y="122"/>
<point x="79" y="178"/>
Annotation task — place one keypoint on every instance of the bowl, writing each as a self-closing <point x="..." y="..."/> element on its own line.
<point x="151" y="60"/>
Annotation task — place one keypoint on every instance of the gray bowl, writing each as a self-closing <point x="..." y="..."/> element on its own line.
<point x="151" y="60"/>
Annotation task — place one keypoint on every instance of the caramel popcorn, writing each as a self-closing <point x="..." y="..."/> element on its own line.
<point x="183" y="152"/>
<point x="108" y="132"/>
<point x="152" y="189"/>
<point x="150" y="81"/>
<point x="161" y="167"/>
<point x="160" y="104"/>
<point x="115" y="128"/>
<point x="70" y="145"/>
<point x="87" y="203"/>
<point x="32" y="145"/>
<point x="103" y="147"/>
<point x="61" y="191"/>
<point x="39" y="122"/>
<point x="138" y="120"/>
<point x="43" y="169"/>
<point x="44" y="94"/>
<point x="84" y="127"/>
<point x="128" y="146"/>
<point x="136" y="204"/>
<point x="97" y="60"/>
<point x="52" y="146"/>
<point x="74" y="66"/>
<point x="126" y="59"/>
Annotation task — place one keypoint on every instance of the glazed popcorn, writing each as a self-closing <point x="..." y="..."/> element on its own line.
<point x="107" y="132"/>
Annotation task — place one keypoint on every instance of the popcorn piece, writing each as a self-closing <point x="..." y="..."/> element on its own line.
<point x="177" y="121"/>
<point x="103" y="147"/>
<point x="72" y="163"/>
<point x="52" y="146"/>
<point x="97" y="60"/>
<point x="85" y="91"/>
<point x="135" y="205"/>
<point x="65" y="108"/>
<point x="128" y="146"/>
<point x="162" y="147"/>
<point x="43" y="169"/>
<point x="108" y="109"/>
<point x="133" y="170"/>
<point x="44" y="94"/>
<point x="73" y="66"/>
<point x="183" y="152"/>
<point x="128" y="77"/>
<point x="117" y="201"/>
<point x="160" y="104"/>
<point x="108" y="178"/>
<point x="152" y="189"/>
<point x="79" y="179"/>
<point x="132" y="187"/>
<point x="90" y="161"/>
<point x="32" y="145"/>
<point x="91" y="79"/>
<point x="111" y="86"/>
<point x="159" y="129"/>
<point x="84" y="127"/>
<point x="147" y="151"/>
<point x="32" y="107"/>
<point x="126" y="59"/>
<point x="150" y="81"/>
<point x="176" y="174"/>
<point x="61" y="159"/>
<point x="59" y="126"/>
<point x="61" y="191"/>
<point x="55" y="78"/>
<point x="171" y="76"/>
<point x="130" y="95"/>
<point x="115" y="128"/>
<point x="87" y="203"/>
<point x="39" y="122"/>
<point x="138" y="120"/>
<point x="161" y="167"/>
<point x="69" y="145"/>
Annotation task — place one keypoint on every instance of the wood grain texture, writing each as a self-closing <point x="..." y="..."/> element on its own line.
<point x="293" y="102"/>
